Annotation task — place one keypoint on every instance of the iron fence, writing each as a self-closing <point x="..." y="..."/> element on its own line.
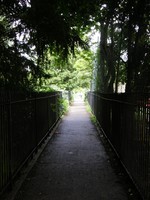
<point x="25" y="120"/>
<point x="125" y="120"/>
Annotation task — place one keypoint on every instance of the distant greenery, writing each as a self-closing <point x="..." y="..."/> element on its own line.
<point x="74" y="74"/>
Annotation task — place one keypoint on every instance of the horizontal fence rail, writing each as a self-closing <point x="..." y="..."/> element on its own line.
<point x="125" y="120"/>
<point x="25" y="121"/>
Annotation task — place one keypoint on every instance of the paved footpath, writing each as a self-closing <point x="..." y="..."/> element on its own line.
<point x="73" y="166"/>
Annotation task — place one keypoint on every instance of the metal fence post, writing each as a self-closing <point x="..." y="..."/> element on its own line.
<point x="10" y="139"/>
<point x="35" y="121"/>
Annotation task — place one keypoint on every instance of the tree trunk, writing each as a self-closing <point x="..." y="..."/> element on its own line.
<point x="103" y="55"/>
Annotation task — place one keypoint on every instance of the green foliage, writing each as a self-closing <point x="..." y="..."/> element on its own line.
<point x="17" y="69"/>
<point x="92" y="117"/>
<point x="28" y="30"/>
<point x="64" y="106"/>
<point x="61" y="107"/>
<point x="76" y="73"/>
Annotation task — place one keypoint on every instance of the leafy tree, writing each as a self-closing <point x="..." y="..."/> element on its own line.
<point x="16" y="69"/>
<point x="124" y="31"/>
<point x="36" y="27"/>
<point x="74" y="74"/>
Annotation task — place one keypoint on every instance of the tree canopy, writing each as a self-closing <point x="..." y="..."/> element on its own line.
<point x="31" y="28"/>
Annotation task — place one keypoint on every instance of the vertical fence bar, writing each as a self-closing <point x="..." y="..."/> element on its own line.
<point x="4" y="140"/>
<point x="10" y="141"/>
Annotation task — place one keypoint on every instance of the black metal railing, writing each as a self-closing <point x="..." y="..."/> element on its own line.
<point x="125" y="120"/>
<point x="25" y="121"/>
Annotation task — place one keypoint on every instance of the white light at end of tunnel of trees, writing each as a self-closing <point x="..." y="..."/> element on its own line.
<point x="94" y="37"/>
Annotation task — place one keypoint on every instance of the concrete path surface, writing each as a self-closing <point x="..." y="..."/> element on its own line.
<point x="73" y="166"/>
